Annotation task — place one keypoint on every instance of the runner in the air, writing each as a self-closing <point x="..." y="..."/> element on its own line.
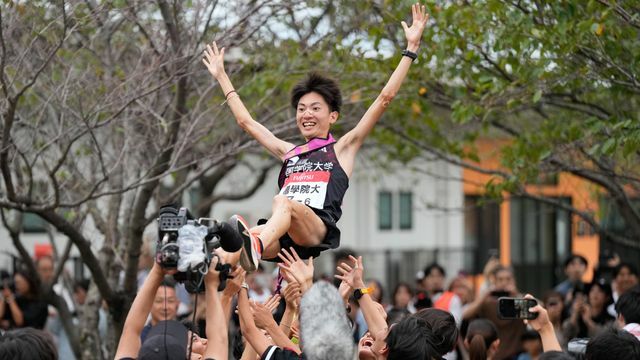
<point x="314" y="175"/>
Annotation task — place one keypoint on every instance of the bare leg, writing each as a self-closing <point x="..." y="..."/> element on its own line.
<point x="288" y="216"/>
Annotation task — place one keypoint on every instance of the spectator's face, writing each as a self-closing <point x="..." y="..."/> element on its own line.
<point x="45" y="270"/>
<point x="164" y="296"/>
<point x="22" y="285"/>
<point x="505" y="281"/>
<point x="597" y="297"/>
<point x="532" y="347"/>
<point x="625" y="280"/>
<point x="370" y="349"/>
<point x="198" y="344"/>
<point x="554" y="307"/>
<point x="434" y="281"/>
<point x="402" y="297"/>
<point x="80" y="295"/>
<point x="575" y="269"/>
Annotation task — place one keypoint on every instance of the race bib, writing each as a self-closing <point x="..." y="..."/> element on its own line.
<point x="309" y="188"/>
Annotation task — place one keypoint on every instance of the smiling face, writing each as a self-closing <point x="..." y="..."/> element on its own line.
<point x="314" y="117"/>
<point x="370" y="348"/>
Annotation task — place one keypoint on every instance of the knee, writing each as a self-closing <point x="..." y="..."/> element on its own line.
<point x="281" y="202"/>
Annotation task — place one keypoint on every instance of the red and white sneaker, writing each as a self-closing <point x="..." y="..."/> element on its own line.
<point x="251" y="248"/>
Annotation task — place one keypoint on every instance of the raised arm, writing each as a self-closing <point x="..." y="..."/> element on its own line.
<point x="216" y="324"/>
<point x="129" y="344"/>
<point x="214" y="60"/>
<point x="349" y="144"/>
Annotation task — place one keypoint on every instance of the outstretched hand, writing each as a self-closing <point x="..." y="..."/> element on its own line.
<point x="214" y="59"/>
<point x="295" y="267"/>
<point x="414" y="33"/>
<point x="352" y="274"/>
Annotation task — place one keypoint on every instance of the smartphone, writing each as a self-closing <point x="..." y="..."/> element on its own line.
<point x="516" y="308"/>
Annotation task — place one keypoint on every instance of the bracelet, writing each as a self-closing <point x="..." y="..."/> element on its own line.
<point x="231" y="97"/>
<point x="409" y="54"/>
<point x="245" y="286"/>
<point x="227" y="94"/>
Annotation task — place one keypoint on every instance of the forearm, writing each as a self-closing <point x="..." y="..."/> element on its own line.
<point x="142" y="303"/>
<point x="549" y="340"/>
<point x="375" y="321"/>
<point x="248" y="327"/>
<point x="216" y="325"/>
<point x="226" y="300"/>
<point x="280" y="339"/>
<point x="287" y="320"/>
<point x="16" y="313"/>
<point x="472" y="310"/>
<point x="248" y="353"/>
<point x="236" y="105"/>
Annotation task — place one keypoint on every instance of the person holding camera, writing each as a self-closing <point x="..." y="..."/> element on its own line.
<point x="171" y="339"/>
<point x="315" y="175"/>
<point x="22" y="306"/>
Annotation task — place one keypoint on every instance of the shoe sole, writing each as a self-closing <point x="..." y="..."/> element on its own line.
<point x="247" y="255"/>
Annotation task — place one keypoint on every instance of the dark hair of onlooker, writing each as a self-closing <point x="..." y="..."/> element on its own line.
<point x="628" y="306"/>
<point x="434" y="266"/>
<point x="343" y="254"/>
<point x="631" y="267"/>
<point x="397" y="288"/>
<point x="81" y="284"/>
<point x="423" y="301"/>
<point x="442" y="326"/>
<point x="326" y="87"/>
<point x="555" y="355"/>
<point x="34" y="290"/>
<point x="613" y="344"/>
<point x="27" y="344"/>
<point x="570" y="259"/>
<point x="605" y="288"/>
<point x="481" y="333"/>
<point x="411" y="339"/>
<point x="168" y="282"/>
<point x="500" y="268"/>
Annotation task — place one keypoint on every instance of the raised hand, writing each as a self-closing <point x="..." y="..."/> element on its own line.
<point x="235" y="280"/>
<point x="272" y="302"/>
<point x="302" y="272"/>
<point x="262" y="314"/>
<point x="351" y="274"/>
<point x="291" y="295"/>
<point x="414" y="33"/>
<point x="214" y="59"/>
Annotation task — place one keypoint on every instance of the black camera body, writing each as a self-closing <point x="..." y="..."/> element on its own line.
<point x="171" y="222"/>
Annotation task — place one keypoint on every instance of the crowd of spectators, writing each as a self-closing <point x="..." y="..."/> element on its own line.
<point x="352" y="317"/>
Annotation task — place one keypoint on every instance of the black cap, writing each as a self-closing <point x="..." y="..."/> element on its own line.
<point x="166" y="340"/>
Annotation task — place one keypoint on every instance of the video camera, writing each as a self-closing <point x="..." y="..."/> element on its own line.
<point x="186" y="244"/>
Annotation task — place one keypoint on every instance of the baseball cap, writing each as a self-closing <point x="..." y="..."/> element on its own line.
<point x="166" y="340"/>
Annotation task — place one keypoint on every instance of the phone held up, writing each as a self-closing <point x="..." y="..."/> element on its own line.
<point x="516" y="308"/>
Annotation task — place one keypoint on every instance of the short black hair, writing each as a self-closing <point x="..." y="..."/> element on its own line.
<point x="632" y="269"/>
<point x="570" y="259"/>
<point x="613" y="344"/>
<point x="628" y="306"/>
<point x="326" y="87"/>
<point x="26" y="344"/>
<point x="433" y="266"/>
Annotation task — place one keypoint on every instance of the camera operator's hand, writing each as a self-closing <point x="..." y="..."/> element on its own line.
<point x="6" y="293"/>
<point x="213" y="276"/>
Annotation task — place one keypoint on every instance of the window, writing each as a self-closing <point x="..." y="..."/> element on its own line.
<point x="384" y="210"/>
<point x="32" y="223"/>
<point x="406" y="210"/>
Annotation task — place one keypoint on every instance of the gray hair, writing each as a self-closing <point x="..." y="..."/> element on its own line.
<point x="325" y="332"/>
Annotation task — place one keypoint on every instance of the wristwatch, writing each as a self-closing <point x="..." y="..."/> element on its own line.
<point x="245" y="286"/>
<point x="357" y="293"/>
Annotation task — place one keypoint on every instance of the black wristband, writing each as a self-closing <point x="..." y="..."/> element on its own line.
<point x="409" y="54"/>
<point x="226" y="96"/>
